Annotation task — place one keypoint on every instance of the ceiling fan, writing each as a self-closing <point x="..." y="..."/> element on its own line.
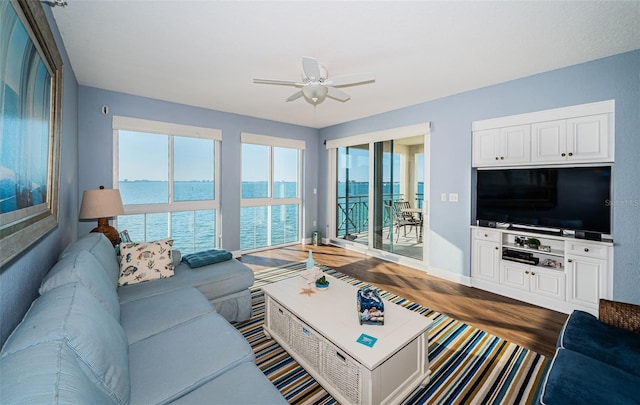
<point x="316" y="85"/>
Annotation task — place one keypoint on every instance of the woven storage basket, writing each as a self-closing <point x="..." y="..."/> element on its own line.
<point x="620" y="314"/>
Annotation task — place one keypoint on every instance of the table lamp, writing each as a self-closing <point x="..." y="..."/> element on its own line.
<point x="102" y="204"/>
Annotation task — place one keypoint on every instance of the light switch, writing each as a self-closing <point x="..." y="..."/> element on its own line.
<point x="453" y="197"/>
<point x="443" y="197"/>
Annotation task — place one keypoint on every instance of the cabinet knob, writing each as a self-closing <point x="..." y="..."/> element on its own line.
<point x="485" y="235"/>
<point x="533" y="273"/>
<point x="570" y="153"/>
<point x="501" y="157"/>
<point x="526" y="272"/>
<point x="586" y="249"/>
<point x="563" y="154"/>
<point x="497" y="158"/>
<point x="497" y="248"/>
<point x="570" y="260"/>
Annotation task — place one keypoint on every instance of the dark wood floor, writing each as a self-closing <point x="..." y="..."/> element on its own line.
<point x="521" y="323"/>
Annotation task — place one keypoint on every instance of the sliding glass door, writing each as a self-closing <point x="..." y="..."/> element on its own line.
<point x="380" y="195"/>
<point x="352" y="205"/>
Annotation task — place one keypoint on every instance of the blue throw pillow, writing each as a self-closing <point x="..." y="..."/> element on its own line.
<point x="207" y="257"/>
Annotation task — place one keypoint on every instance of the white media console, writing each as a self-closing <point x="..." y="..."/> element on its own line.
<point x="578" y="272"/>
<point x="582" y="274"/>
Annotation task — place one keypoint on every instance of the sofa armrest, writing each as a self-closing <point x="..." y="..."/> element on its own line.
<point x="620" y="314"/>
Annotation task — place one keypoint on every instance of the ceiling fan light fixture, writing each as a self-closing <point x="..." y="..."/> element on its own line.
<point x="316" y="86"/>
<point x="315" y="93"/>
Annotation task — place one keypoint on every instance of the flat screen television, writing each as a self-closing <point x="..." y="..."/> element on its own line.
<point x="571" y="198"/>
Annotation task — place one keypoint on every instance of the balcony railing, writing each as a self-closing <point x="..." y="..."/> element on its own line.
<point x="353" y="213"/>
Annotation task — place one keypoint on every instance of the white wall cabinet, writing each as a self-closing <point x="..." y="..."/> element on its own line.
<point x="577" y="275"/>
<point x="502" y="146"/>
<point x="576" y="140"/>
<point x="549" y="141"/>
<point x="571" y="135"/>
<point x="588" y="139"/>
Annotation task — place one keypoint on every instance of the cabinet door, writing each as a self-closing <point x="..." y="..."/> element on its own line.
<point x="550" y="283"/>
<point x="548" y="141"/>
<point x="486" y="260"/>
<point x="515" y="144"/>
<point x="588" y="139"/>
<point x="486" y="147"/>
<point x="515" y="275"/>
<point x="586" y="280"/>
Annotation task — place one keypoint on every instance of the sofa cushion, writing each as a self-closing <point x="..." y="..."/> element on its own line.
<point x="255" y="389"/>
<point x="585" y="334"/>
<point x="574" y="378"/>
<point x="150" y="315"/>
<point x="71" y="314"/>
<point x="167" y="365"/>
<point x="214" y="281"/>
<point x="145" y="261"/>
<point x="47" y="373"/>
<point x="98" y="245"/>
<point x="85" y="269"/>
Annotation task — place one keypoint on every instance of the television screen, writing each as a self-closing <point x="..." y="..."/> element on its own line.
<point x="572" y="198"/>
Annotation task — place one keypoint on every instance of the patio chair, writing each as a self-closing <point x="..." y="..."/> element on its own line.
<point x="404" y="219"/>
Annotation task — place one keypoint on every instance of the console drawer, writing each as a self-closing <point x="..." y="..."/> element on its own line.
<point x="486" y="234"/>
<point x="586" y="249"/>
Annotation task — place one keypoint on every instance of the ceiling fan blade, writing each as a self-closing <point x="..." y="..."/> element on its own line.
<point x="351" y="80"/>
<point x="310" y="68"/>
<point x="295" y="96"/>
<point x="338" y="94"/>
<point x="278" y="82"/>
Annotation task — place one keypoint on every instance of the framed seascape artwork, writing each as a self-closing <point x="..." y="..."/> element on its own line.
<point x="30" y="126"/>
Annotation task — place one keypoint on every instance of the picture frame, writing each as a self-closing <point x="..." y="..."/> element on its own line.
<point x="31" y="90"/>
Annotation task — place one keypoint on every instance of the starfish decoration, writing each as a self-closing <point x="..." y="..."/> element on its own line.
<point x="306" y="291"/>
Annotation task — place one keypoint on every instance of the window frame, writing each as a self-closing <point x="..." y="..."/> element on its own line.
<point x="171" y="130"/>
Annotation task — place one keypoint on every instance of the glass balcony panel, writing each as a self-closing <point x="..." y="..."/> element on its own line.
<point x="254" y="227"/>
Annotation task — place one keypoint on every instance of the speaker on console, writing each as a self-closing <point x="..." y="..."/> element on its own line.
<point x="589" y="235"/>
<point x="486" y="223"/>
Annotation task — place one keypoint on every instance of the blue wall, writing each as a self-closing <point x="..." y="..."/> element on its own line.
<point x="96" y="148"/>
<point x="20" y="279"/>
<point x="616" y="77"/>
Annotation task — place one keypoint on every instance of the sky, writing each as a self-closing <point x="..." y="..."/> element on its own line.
<point x="194" y="159"/>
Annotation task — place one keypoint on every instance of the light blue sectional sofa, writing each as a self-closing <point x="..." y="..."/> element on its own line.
<point x="85" y="341"/>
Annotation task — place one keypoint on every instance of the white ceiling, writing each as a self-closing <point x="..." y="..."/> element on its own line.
<point x="206" y="53"/>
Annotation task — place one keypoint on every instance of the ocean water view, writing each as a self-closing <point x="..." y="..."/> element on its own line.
<point x="263" y="226"/>
<point x="195" y="230"/>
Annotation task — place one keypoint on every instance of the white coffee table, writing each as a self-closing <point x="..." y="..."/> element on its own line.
<point x="321" y="332"/>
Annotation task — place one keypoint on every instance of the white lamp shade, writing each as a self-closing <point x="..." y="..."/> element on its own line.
<point x="101" y="203"/>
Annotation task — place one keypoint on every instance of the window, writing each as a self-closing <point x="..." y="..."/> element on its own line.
<point x="271" y="191"/>
<point x="167" y="176"/>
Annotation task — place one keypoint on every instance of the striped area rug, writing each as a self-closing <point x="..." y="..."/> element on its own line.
<point x="468" y="365"/>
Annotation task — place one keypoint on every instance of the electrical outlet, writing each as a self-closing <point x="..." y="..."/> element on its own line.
<point x="453" y="197"/>
<point x="443" y="196"/>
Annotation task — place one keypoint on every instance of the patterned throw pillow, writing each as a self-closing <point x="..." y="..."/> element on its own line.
<point x="145" y="261"/>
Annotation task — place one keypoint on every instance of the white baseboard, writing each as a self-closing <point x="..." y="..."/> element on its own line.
<point x="236" y="254"/>
<point x="447" y="275"/>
